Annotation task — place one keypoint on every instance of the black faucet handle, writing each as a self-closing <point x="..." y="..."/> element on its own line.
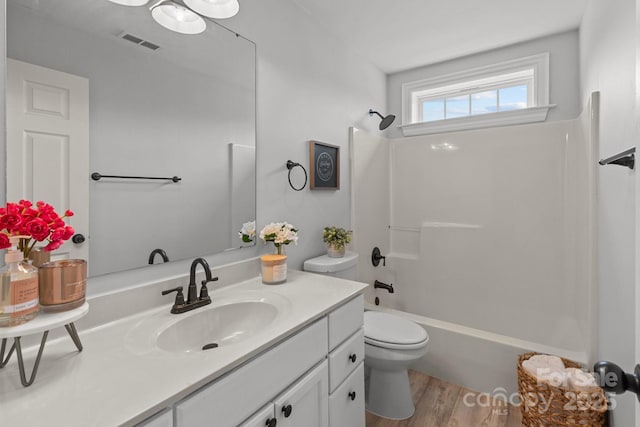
<point x="213" y="279"/>
<point x="204" y="292"/>
<point x="376" y="256"/>
<point x="179" y="295"/>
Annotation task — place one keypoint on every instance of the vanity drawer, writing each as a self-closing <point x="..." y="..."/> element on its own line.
<point x="243" y="391"/>
<point x="346" y="404"/>
<point x="345" y="320"/>
<point x="345" y="358"/>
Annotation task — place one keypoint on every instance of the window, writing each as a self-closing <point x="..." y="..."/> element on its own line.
<point x="507" y="93"/>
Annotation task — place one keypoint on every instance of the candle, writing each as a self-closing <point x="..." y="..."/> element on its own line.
<point x="274" y="269"/>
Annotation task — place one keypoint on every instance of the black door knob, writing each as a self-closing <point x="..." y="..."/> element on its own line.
<point x="353" y="358"/>
<point x="78" y="238"/>
<point x="271" y="422"/>
<point x="352" y="395"/>
<point x="287" y="411"/>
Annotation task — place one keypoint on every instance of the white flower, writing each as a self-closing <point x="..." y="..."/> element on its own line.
<point x="286" y="235"/>
<point x="248" y="231"/>
<point x="280" y="233"/>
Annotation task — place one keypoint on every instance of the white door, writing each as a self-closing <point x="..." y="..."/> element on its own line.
<point x="48" y="145"/>
<point x="306" y="403"/>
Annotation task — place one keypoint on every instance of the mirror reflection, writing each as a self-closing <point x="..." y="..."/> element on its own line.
<point x="160" y="104"/>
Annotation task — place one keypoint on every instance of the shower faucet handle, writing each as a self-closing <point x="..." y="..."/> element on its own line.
<point x="376" y="256"/>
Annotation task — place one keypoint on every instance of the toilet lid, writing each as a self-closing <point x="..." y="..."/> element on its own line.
<point x="387" y="328"/>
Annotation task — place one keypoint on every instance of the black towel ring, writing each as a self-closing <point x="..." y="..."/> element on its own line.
<point x="290" y="166"/>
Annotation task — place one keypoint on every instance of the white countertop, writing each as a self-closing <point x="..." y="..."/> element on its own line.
<point x="118" y="380"/>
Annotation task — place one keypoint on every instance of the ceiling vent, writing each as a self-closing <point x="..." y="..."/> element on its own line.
<point x="139" y="41"/>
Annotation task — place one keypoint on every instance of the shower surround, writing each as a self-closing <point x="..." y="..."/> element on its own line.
<point x="490" y="242"/>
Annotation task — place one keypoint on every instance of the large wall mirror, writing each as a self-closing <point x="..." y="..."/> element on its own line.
<point x="161" y="104"/>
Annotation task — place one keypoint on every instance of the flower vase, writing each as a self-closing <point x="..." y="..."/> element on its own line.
<point x="38" y="256"/>
<point x="274" y="267"/>
<point x="334" y="252"/>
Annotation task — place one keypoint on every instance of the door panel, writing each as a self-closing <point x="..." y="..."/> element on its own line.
<point x="48" y="144"/>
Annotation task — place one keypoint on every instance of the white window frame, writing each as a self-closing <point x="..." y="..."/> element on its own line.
<point x="533" y="69"/>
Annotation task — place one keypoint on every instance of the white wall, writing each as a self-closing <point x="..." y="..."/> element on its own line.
<point x="607" y="64"/>
<point x="563" y="70"/>
<point x="310" y="87"/>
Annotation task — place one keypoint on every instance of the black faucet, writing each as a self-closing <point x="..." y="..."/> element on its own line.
<point x="378" y="284"/>
<point x="159" y="251"/>
<point x="193" y="300"/>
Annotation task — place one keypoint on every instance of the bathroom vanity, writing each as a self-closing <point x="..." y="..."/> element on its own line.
<point x="296" y="359"/>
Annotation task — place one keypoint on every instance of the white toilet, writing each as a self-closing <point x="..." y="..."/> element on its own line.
<point x="392" y="343"/>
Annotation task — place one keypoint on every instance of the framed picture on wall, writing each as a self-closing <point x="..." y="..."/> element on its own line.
<point x="324" y="161"/>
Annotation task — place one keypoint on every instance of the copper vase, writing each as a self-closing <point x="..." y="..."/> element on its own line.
<point x="63" y="284"/>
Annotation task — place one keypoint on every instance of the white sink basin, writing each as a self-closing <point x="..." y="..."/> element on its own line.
<point x="221" y="325"/>
<point x="228" y="320"/>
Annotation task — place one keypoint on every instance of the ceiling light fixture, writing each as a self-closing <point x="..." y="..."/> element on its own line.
<point x="187" y="19"/>
<point x="130" y="2"/>
<point x="177" y="18"/>
<point x="218" y="9"/>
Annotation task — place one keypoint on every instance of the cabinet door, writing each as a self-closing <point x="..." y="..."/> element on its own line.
<point x="306" y="402"/>
<point x="262" y="418"/>
<point x="346" y="404"/>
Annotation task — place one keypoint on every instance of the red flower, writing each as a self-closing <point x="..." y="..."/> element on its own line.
<point x="4" y="241"/>
<point x="37" y="222"/>
<point x="11" y="221"/>
<point x="68" y="232"/>
<point x="38" y="229"/>
<point x="57" y="234"/>
<point x="52" y="246"/>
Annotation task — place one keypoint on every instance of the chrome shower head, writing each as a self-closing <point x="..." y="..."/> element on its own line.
<point x="385" y="122"/>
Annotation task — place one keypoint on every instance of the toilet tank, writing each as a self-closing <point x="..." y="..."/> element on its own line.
<point x="344" y="268"/>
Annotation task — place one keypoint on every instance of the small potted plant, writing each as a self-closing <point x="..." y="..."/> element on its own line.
<point x="336" y="238"/>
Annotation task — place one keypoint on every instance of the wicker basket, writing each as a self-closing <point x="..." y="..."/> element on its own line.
<point x="543" y="404"/>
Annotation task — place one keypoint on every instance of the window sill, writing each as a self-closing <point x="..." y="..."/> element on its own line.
<point x="505" y="118"/>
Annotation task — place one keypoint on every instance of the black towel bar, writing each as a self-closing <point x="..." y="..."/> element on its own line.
<point x="97" y="176"/>
<point x="626" y="158"/>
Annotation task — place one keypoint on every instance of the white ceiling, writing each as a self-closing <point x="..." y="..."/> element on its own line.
<point x="398" y="35"/>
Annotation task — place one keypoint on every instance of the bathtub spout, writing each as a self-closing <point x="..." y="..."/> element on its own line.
<point x="378" y="284"/>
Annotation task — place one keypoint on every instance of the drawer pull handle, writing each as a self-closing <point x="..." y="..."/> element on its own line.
<point x="353" y="358"/>
<point x="352" y="395"/>
<point x="272" y="422"/>
<point x="287" y="411"/>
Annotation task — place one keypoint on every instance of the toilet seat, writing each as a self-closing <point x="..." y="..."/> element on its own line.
<point x="393" y="332"/>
